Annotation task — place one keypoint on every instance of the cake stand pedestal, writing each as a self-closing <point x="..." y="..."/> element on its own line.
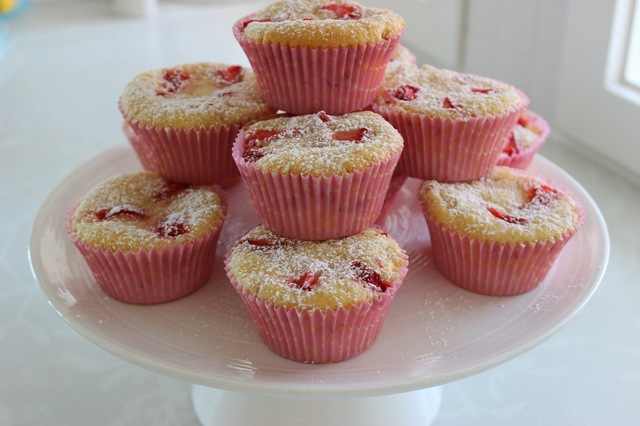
<point x="216" y="407"/>
<point x="434" y="332"/>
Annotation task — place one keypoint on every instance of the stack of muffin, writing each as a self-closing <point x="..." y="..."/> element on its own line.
<point x="332" y="110"/>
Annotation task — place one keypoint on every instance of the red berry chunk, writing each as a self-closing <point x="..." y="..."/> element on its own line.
<point x="406" y="93"/>
<point x="324" y="117"/>
<point x="265" y="243"/>
<point x="256" y="140"/>
<point x="169" y="190"/>
<point x="306" y="281"/>
<point x="499" y="214"/>
<point x="248" y="21"/>
<point x="446" y="103"/>
<point x="484" y="91"/>
<point x="511" y="148"/>
<point x="126" y="210"/>
<point x="174" y="79"/>
<point x="231" y="74"/>
<point x="543" y="194"/>
<point x="369" y="276"/>
<point x="343" y="11"/>
<point x="355" y="135"/>
<point x="523" y="120"/>
<point x="171" y="227"/>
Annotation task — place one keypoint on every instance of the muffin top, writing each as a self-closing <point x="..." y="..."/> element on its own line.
<point x="142" y="210"/>
<point x="320" y="23"/>
<point x="318" y="144"/>
<point x="443" y="93"/>
<point x="194" y="95"/>
<point x="323" y="275"/>
<point x="530" y="130"/>
<point x="506" y="206"/>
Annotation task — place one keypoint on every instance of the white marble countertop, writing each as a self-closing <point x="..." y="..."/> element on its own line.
<point x="61" y="72"/>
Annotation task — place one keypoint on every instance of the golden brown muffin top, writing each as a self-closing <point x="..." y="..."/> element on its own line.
<point x="194" y="95"/>
<point x="142" y="210"/>
<point x="506" y="206"/>
<point x="320" y="23"/>
<point x="321" y="275"/>
<point x="444" y="93"/>
<point x="319" y="144"/>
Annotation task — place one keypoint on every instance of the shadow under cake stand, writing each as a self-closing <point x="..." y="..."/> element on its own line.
<point x="434" y="333"/>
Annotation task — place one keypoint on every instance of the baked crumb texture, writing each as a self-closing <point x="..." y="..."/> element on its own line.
<point x="524" y="141"/>
<point x="319" y="55"/>
<point x="195" y="95"/>
<point x="320" y="23"/>
<point x="146" y="239"/>
<point x="499" y="235"/>
<point x="332" y="295"/>
<point x="187" y="117"/>
<point x="454" y="125"/>
<point x="318" y="176"/>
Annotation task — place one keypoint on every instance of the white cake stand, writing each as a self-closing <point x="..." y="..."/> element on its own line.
<point x="434" y="332"/>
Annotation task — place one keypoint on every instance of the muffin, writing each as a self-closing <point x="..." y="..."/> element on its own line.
<point x="318" y="55"/>
<point x="454" y="125"/>
<point x="501" y="234"/>
<point x="317" y="302"/>
<point x="147" y="239"/>
<point x="188" y="116"/>
<point x="524" y="141"/>
<point x="318" y="176"/>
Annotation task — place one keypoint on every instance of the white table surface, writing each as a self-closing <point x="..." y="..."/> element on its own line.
<point x="61" y="72"/>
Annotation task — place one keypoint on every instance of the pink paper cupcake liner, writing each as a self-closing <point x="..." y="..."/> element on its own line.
<point x="304" y="80"/>
<point x="316" y="207"/>
<point x="151" y="276"/>
<point x="449" y="150"/>
<point x="194" y="156"/>
<point x="492" y="268"/>
<point x="522" y="159"/>
<point x="140" y="148"/>
<point x="396" y="184"/>
<point x="318" y="337"/>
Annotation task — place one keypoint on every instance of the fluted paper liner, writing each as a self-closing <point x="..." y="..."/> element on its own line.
<point x="492" y="268"/>
<point x="449" y="150"/>
<point x="523" y="158"/>
<point x="304" y="80"/>
<point x="314" y="336"/>
<point x="151" y="276"/>
<point x="193" y="156"/>
<point x="140" y="148"/>
<point x="316" y="207"/>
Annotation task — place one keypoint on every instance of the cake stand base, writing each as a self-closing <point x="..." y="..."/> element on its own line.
<point x="216" y="407"/>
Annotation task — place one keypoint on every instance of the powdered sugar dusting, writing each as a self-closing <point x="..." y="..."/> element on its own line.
<point x="444" y="93"/>
<point x="313" y="23"/>
<point x="266" y="264"/>
<point x="318" y="144"/>
<point x="196" y="210"/>
<point x="506" y="206"/>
